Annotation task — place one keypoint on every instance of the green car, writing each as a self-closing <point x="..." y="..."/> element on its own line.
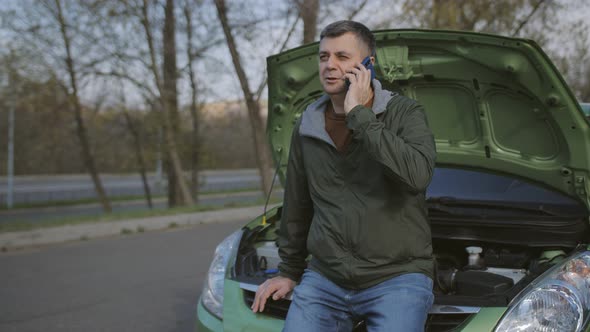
<point x="508" y="202"/>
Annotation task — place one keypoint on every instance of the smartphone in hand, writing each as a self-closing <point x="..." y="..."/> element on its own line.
<point x="367" y="63"/>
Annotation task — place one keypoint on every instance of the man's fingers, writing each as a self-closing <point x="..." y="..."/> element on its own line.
<point x="259" y="294"/>
<point x="262" y="294"/>
<point x="267" y="293"/>
<point x="279" y="294"/>
<point x="351" y="77"/>
<point x="256" y="300"/>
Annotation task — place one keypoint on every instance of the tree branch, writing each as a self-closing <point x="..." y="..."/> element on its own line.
<point x="526" y="19"/>
<point x="357" y="10"/>
<point x="260" y="88"/>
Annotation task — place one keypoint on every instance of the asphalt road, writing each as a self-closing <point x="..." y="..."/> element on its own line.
<point x="146" y="282"/>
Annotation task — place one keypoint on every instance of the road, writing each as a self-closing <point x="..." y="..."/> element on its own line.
<point x="146" y="282"/>
<point x="48" y="214"/>
<point x="34" y="189"/>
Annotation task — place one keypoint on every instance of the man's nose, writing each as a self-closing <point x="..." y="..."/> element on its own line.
<point x="331" y="63"/>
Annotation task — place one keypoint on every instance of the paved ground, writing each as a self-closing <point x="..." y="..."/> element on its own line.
<point x="147" y="282"/>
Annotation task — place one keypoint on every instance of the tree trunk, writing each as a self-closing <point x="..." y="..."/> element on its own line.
<point x="263" y="157"/>
<point x="139" y="156"/>
<point x="308" y="11"/>
<point x="194" y="111"/>
<point x="170" y="93"/>
<point x="80" y="126"/>
<point x="169" y="53"/>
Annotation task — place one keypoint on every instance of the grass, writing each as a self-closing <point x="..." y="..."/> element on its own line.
<point x="75" y="202"/>
<point x="115" y="199"/>
<point x="17" y="226"/>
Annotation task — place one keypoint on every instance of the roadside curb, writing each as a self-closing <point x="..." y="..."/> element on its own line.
<point x="81" y="232"/>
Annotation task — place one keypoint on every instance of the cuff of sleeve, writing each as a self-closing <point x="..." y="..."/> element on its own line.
<point x="293" y="273"/>
<point x="359" y="117"/>
<point x="290" y="276"/>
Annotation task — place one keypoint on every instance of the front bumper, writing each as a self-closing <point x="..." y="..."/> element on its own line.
<point x="206" y="322"/>
<point x="240" y="318"/>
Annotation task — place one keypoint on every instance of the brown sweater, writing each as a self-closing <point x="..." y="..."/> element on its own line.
<point x="336" y="127"/>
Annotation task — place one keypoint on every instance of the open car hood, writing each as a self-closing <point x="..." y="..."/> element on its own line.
<point x="494" y="103"/>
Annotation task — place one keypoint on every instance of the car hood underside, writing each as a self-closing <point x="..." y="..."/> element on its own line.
<point x="494" y="103"/>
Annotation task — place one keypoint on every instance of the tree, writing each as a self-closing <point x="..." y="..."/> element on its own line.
<point x="264" y="160"/>
<point x="156" y="73"/>
<point x="46" y="23"/>
<point x="308" y="11"/>
<point x="162" y="69"/>
<point x="540" y="20"/>
<point x="169" y="100"/>
<point x="198" y="42"/>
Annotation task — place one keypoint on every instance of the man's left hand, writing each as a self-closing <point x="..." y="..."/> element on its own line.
<point x="359" y="90"/>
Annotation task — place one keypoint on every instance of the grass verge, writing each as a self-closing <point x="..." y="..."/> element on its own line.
<point x="115" y="199"/>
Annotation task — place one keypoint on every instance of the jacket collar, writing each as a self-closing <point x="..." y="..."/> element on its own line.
<point x="313" y="122"/>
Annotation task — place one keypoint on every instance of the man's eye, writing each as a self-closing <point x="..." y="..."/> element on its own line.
<point x="323" y="57"/>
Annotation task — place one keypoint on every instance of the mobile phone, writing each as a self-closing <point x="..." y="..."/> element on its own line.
<point x="367" y="63"/>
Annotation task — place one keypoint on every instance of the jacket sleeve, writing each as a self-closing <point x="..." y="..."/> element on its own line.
<point x="408" y="155"/>
<point x="296" y="215"/>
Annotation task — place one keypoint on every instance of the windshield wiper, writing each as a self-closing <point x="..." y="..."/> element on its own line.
<point x="446" y="204"/>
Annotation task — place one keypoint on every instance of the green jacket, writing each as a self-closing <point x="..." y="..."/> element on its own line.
<point x="361" y="215"/>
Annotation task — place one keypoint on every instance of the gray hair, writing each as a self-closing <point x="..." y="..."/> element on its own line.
<point x="339" y="28"/>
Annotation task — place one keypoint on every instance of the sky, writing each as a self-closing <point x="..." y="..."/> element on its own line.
<point x="215" y="70"/>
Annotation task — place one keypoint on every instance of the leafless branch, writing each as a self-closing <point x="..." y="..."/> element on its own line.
<point x="527" y="18"/>
<point x="357" y="10"/>
<point x="258" y="93"/>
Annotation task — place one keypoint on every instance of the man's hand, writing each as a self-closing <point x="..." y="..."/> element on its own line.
<point x="359" y="90"/>
<point x="278" y="287"/>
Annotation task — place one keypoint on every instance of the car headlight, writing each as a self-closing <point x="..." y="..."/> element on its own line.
<point x="212" y="296"/>
<point x="557" y="301"/>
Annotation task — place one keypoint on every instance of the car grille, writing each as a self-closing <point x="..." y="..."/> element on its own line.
<point x="434" y="323"/>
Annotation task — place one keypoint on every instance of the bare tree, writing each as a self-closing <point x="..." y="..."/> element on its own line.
<point x="308" y="11"/>
<point x="534" y="19"/>
<point x="264" y="160"/>
<point x="169" y="95"/>
<point x="57" y="13"/>
<point x="194" y="53"/>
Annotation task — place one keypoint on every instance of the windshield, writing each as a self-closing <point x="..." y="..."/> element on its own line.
<point x="471" y="185"/>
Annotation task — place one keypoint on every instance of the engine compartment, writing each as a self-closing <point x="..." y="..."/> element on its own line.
<point x="467" y="273"/>
<point x="483" y="274"/>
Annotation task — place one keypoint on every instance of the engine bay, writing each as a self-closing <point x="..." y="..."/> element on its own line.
<point x="467" y="273"/>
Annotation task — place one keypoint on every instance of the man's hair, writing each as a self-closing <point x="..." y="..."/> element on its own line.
<point x="339" y="28"/>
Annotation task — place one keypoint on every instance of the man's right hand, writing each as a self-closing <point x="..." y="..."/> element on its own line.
<point x="278" y="287"/>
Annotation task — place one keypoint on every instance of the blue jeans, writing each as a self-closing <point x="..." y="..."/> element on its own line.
<point x="398" y="304"/>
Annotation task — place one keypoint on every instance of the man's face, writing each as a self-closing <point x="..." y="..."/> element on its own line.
<point x="337" y="56"/>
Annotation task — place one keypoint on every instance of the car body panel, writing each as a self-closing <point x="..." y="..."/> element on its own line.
<point x="485" y="320"/>
<point x="206" y="322"/>
<point x="494" y="103"/>
<point x="242" y="318"/>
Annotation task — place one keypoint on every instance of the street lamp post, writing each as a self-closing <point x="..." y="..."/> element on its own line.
<point x="10" y="165"/>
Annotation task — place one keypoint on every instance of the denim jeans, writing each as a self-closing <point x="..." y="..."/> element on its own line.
<point x="398" y="304"/>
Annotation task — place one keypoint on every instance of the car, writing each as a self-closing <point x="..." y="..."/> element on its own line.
<point x="508" y="203"/>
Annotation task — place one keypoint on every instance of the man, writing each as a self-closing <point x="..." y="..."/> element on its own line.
<point x="361" y="158"/>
